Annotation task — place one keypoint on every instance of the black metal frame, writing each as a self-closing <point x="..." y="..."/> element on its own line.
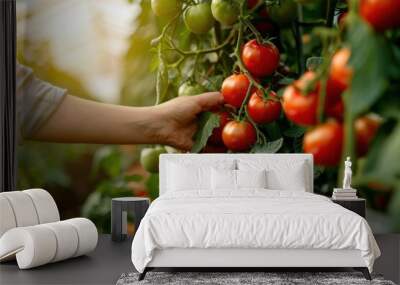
<point x="364" y="270"/>
<point x="7" y="95"/>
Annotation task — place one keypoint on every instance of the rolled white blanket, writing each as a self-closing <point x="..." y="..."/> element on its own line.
<point x="66" y="238"/>
<point x="87" y="235"/>
<point x="33" y="246"/>
<point x="26" y="208"/>
<point x="7" y="218"/>
<point x="23" y="208"/>
<point x="45" y="205"/>
<point x="40" y="244"/>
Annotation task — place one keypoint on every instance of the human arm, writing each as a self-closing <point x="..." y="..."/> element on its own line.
<point x="173" y="123"/>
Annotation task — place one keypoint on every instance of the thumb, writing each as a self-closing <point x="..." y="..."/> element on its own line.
<point x="209" y="100"/>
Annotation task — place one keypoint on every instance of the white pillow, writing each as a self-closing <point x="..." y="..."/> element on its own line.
<point x="281" y="174"/>
<point x="187" y="176"/>
<point x="224" y="179"/>
<point x="251" y="178"/>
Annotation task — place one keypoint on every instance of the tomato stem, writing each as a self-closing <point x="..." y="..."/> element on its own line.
<point x="246" y="98"/>
<point x="204" y="51"/>
<point x="258" y="36"/>
<point x="237" y="54"/>
<point x="299" y="47"/>
<point x="260" y="135"/>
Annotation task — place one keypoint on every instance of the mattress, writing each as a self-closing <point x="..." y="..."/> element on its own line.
<point x="250" y="219"/>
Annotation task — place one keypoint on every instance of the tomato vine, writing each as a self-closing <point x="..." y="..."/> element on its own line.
<point x="306" y="38"/>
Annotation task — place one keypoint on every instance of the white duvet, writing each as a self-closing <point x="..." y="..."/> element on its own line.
<point x="254" y="218"/>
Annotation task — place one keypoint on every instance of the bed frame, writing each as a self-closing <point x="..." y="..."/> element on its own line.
<point x="247" y="259"/>
<point x="250" y="259"/>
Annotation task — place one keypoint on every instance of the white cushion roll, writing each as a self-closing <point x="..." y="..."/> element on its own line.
<point x="45" y="205"/>
<point x="7" y="218"/>
<point x="33" y="246"/>
<point x="23" y="208"/>
<point x="87" y="235"/>
<point x="67" y="239"/>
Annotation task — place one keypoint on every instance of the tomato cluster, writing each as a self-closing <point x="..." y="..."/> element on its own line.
<point x="314" y="100"/>
<point x="239" y="134"/>
<point x="301" y="102"/>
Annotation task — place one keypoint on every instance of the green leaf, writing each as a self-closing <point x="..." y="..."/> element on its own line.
<point x="286" y="81"/>
<point x="388" y="106"/>
<point x="298" y="145"/>
<point x="162" y="83"/>
<point x="369" y="59"/>
<point x="154" y="62"/>
<point x="133" y="178"/>
<point x="318" y="170"/>
<point x="214" y="82"/>
<point x="152" y="184"/>
<point x="107" y="159"/>
<point x="294" y="131"/>
<point x="382" y="163"/>
<point x="272" y="130"/>
<point x="393" y="68"/>
<point x="269" y="147"/>
<point x="314" y="62"/>
<point x="207" y="122"/>
<point x="394" y="209"/>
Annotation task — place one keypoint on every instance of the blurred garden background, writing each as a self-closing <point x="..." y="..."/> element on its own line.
<point x="100" y="50"/>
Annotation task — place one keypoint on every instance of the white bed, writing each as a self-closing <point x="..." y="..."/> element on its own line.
<point x="248" y="227"/>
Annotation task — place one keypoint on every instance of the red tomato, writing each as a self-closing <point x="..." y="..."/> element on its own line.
<point x="252" y="3"/>
<point x="234" y="89"/>
<point x="335" y="110"/>
<point x="216" y="136"/>
<point x="260" y="59"/>
<point x="263" y="110"/>
<point x="381" y="14"/>
<point x="239" y="135"/>
<point x="298" y="107"/>
<point x="366" y="128"/>
<point x="325" y="143"/>
<point x="339" y="74"/>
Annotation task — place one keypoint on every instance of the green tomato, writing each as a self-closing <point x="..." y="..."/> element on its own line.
<point x="225" y="11"/>
<point x="198" y="18"/>
<point x="284" y="13"/>
<point x="166" y="8"/>
<point x="187" y="89"/>
<point x="149" y="158"/>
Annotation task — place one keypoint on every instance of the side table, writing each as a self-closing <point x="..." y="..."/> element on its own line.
<point x="120" y="207"/>
<point x="356" y="205"/>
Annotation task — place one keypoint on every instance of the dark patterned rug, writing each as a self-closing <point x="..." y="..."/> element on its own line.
<point x="243" y="278"/>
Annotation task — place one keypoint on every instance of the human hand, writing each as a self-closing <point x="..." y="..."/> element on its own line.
<point x="176" y="120"/>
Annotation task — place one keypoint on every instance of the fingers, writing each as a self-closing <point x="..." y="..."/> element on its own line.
<point x="209" y="100"/>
